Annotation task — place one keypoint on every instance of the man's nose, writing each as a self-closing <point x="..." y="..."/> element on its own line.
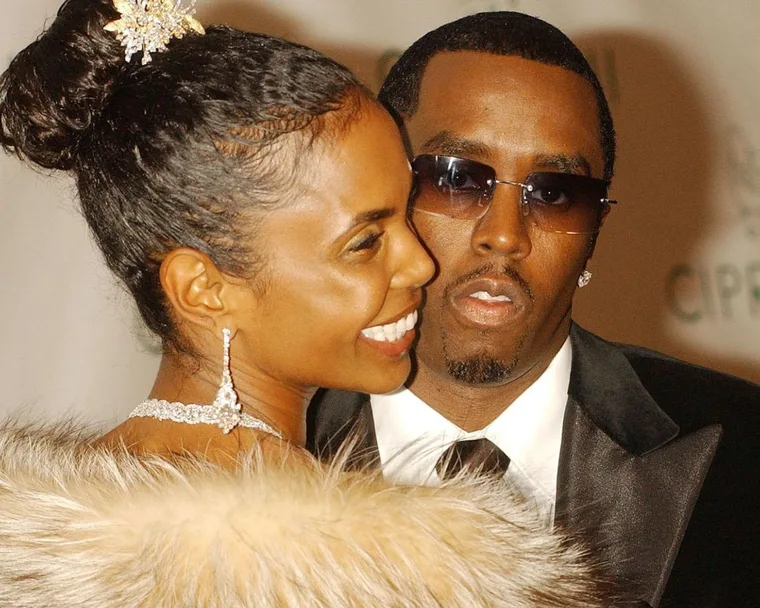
<point x="503" y="229"/>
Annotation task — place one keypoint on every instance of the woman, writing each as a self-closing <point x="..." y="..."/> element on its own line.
<point x="251" y="195"/>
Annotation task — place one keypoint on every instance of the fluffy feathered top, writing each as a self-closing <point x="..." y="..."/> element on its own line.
<point x="86" y="527"/>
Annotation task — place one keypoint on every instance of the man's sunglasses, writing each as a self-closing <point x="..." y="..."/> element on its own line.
<point x="463" y="189"/>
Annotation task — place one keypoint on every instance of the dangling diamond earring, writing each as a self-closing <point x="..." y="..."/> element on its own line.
<point x="584" y="279"/>
<point x="226" y="401"/>
<point x="225" y="412"/>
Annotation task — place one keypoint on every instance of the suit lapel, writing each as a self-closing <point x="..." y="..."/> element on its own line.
<point x="345" y="426"/>
<point x="363" y="440"/>
<point x="626" y="478"/>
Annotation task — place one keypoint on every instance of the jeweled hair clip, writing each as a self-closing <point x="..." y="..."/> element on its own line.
<point x="148" y="26"/>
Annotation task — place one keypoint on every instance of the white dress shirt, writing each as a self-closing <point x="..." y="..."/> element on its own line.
<point x="412" y="436"/>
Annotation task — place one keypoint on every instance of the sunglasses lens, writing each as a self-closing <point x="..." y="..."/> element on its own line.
<point x="462" y="189"/>
<point x="450" y="186"/>
<point x="564" y="202"/>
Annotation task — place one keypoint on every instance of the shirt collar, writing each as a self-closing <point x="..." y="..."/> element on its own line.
<point x="411" y="436"/>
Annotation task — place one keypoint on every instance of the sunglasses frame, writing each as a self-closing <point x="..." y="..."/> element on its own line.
<point x="526" y="188"/>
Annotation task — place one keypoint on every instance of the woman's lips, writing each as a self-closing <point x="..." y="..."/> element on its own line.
<point x="488" y="302"/>
<point x="394" y="338"/>
<point x="394" y="349"/>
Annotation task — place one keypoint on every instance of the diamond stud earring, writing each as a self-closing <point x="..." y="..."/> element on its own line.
<point x="584" y="279"/>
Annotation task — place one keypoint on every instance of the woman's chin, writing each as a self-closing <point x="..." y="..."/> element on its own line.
<point x="383" y="379"/>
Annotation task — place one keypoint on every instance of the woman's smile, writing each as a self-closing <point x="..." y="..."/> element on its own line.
<point x="393" y="339"/>
<point x="393" y="331"/>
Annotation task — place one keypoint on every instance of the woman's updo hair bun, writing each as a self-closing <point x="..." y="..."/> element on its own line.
<point x="57" y="87"/>
<point x="188" y="150"/>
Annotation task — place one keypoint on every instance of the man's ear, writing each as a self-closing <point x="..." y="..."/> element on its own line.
<point x="195" y="287"/>
<point x="592" y="244"/>
<point x="605" y="212"/>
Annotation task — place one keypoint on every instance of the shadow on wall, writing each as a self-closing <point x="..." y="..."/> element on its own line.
<point x="668" y="158"/>
<point x="244" y="16"/>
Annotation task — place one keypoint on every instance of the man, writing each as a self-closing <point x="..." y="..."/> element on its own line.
<point x="654" y="460"/>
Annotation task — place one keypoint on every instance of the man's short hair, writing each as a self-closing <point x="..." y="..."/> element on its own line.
<point x="499" y="33"/>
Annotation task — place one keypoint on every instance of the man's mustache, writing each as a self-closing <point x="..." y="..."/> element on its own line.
<point x="493" y="270"/>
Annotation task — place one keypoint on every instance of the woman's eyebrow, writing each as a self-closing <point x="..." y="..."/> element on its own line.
<point x="371" y="216"/>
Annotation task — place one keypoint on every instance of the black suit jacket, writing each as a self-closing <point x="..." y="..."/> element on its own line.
<point x="658" y="471"/>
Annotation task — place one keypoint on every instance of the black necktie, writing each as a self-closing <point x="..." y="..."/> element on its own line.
<point x="478" y="456"/>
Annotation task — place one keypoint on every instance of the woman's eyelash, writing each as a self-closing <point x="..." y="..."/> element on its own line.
<point x="367" y="242"/>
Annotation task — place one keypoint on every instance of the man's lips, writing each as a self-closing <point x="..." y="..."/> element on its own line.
<point x="488" y="301"/>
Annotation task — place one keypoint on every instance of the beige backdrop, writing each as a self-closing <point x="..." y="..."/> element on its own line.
<point x="677" y="267"/>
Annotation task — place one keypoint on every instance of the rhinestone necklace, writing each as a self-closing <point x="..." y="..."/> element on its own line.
<point x="190" y="413"/>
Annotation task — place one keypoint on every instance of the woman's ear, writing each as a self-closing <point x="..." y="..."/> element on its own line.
<point x="195" y="287"/>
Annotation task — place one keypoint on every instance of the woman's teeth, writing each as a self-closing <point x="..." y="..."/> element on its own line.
<point x="487" y="297"/>
<point x="392" y="331"/>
